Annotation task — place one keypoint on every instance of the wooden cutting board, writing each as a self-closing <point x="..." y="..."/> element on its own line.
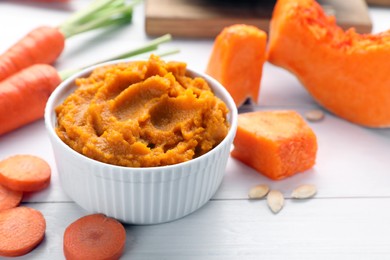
<point x="206" y="18"/>
<point x="378" y="2"/>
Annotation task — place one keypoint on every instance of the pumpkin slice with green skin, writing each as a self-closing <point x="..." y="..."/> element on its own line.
<point x="345" y="72"/>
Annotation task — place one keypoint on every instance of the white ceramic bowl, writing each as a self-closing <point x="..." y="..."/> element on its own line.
<point x="139" y="195"/>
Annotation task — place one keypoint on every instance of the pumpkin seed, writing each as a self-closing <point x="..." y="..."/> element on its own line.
<point x="258" y="191"/>
<point x="304" y="191"/>
<point x="275" y="200"/>
<point x="314" y="115"/>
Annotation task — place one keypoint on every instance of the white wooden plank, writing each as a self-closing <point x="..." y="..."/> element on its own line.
<point x="243" y="229"/>
<point x="345" y="167"/>
<point x="348" y="219"/>
<point x="380" y="18"/>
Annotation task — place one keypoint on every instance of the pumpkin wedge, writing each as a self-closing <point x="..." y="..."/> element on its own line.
<point x="237" y="59"/>
<point x="277" y="143"/>
<point x="345" y="72"/>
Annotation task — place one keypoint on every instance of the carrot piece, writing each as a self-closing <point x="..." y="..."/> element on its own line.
<point x="52" y="1"/>
<point x="237" y="59"/>
<point x="25" y="173"/>
<point x="23" y="96"/>
<point x="42" y="45"/>
<point x="94" y="237"/>
<point x="9" y="198"/>
<point x="277" y="144"/>
<point x="21" y="229"/>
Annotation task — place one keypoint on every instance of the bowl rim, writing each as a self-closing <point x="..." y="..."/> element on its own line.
<point x="60" y="93"/>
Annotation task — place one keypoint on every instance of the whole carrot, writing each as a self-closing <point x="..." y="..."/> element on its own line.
<point x="46" y="1"/>
<point x="23" y="95"/>
<point x="44" y="44"/>
<point x="52" y="1"/>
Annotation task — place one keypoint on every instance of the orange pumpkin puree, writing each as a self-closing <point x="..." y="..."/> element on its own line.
<point x="142" y="114"/>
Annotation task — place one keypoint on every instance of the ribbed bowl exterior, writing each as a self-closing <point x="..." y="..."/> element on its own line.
<point x="139" y="195"/>
<point x="150" y="196"/>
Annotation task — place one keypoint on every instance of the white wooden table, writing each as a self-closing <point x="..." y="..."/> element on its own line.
<point x="348" y="219"/>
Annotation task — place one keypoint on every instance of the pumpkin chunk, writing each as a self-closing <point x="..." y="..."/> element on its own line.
<point x="277" y="144"/>
<point x="237" y="61"/>
<point x="346" y="72"/>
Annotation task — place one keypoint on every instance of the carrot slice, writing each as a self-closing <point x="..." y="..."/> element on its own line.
<point x="237" y="59"/>
<point x="25" y="173"/>
<point x="9" y="198"/>
<point x="94" y="237"/>
<point x="21" y="229"/>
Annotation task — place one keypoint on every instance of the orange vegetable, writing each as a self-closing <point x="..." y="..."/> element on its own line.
<point x="21" y="229"/>
<point x="237" y="60"/>
<point x="277" y="144"/>
<point x="52" y="1"/>
<point x="42" y="45"/>
<point x="23" y="96"/>
<point x="24" y="173"/>
<point x="345" y="72"/>
<point x="9" y="198"/>
<point x="94" y="237"/>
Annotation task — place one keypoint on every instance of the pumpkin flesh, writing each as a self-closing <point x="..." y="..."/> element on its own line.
<point x="345" y="72"/>
<point x="237" y="59"/>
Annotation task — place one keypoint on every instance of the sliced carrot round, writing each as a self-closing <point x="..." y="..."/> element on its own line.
<point x="94" y="236"/>
<point x="9" y="198"/>
<point x="21" y="229"/>
<point x="25" y="173"/>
